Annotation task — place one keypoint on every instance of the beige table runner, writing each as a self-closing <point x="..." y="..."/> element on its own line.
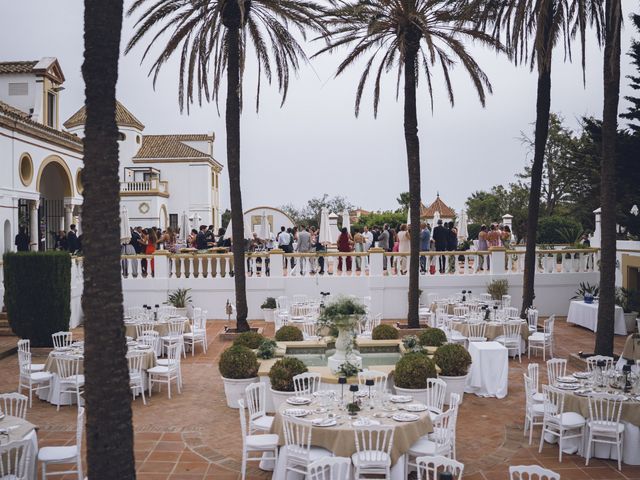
<point x="161" y="327"/>
<point x="148" y="361"/>
<point x="579" y="404"/>
<point x="340" y="439"/>
<point x="493" y="330"/>
<point x="632" y="347"/>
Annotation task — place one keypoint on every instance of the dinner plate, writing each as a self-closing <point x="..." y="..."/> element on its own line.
<point x="298" y="401"/>
<point x="568" y="379"/>
<point x="582" y="375"/>
<point x="324" y="422"/>
<point x="143" y="347"/>
<point x="415" y="407"/>
<point x="583" y="392"/>
<point x="401" y="398"/>
<point x="365" y="422"/>
<point x="63" y="349"/>
<point x="568" y="386"/>
<point x="405" y="417"/>
<point x="296" y="412"/>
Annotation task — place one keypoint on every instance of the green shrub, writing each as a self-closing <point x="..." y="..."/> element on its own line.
<point x="283" y="371"/>
<point x="179" y="298"/>
<point x="473" y="229"/>
<point x="289" y="333"/>
<point x="432" y="337"/>
<point x="38" y="294"/>
<point x="558" y="229"/>
<point x="453" y="360"/>
<point x="413" y="369"/>
<point x="250" y="340"/>
<point x="498" y="288"/>
<point x="385" y="332"/>
<point x="267" y="349"/>
<point x="238" y="362"/>
<point x="269" y="302"/>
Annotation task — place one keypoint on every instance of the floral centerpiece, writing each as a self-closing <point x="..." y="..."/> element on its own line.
<point x="344" y="314"/>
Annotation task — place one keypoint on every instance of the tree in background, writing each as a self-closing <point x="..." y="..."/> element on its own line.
<point x="310" y="213"/>
<point x="403" y="200"/>
<point x="107" y="393"/>
<point x="633" y="112"/>
<point x="217" y="34"/>
<point x="486" y="207"/>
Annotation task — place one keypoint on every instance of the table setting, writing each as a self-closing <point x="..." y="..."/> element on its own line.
<point x="14" y="429"/>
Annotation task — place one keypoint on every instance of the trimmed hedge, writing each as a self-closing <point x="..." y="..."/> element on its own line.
<point x="385" y="332"/>
<point x="37" y="294"/>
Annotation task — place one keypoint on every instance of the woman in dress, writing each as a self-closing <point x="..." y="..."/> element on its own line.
<point x="168" y="238"/>
<point x="152" y="241"/>
<point x="404" y="246"/>
<point x="483" y="245"/>
<point x="344" y="245"/>
<point x="358" y="244"/>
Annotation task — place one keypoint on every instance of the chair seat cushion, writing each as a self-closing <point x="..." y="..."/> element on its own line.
<point x="37" y="367"/>
<point x="262" y="442"/>
<point x="58" y="454"/>
<point x="159" y="369"/>
<point x="539" y="337"/>
<point x="40" y="376"/>
<point x="538" y="397"/>
<point x="600" y="427"/>
<point x="371" y="459"/>
<point x="263" y="423"/>
<point x="79" y="379"/>
<point x="315" y="453"/>
<point x="570" y="420"/>
<point x="193" y="335"/>
<point x="423" y="446"/>
<point x="537" y="408"/>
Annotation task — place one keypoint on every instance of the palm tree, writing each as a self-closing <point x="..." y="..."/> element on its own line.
<point x="411" y="36"/>
<point x="217" y="33"/>
<point x="545" y="23"/>
<point x="611" y="78"/>
<point x="107" y="393"/>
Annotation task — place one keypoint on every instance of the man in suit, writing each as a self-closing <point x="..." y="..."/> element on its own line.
<point x="441" y="237"/>
<point x="383" y="243"/>
<point x="304" y="245"/>
<point x="72" y="240"/>
<point x="201" y="238"/>
<point x="425" y="245"/>
<point x="22" y="240"/>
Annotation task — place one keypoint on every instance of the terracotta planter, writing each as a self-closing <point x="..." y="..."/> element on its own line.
<point x="418" y="394"/>
<point x="234" y="389"/>
<point x="279" y="398"/>
<point x="454" y="385"/>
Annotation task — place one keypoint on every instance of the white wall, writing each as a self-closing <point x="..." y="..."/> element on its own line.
<point x="21" y="102"/>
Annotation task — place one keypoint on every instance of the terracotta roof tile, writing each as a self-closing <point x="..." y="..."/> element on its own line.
<point x="437" y="206"/>
<point x="17" y="67"/>
<point x="171" y="146"/>
<point x="123" y="117"/>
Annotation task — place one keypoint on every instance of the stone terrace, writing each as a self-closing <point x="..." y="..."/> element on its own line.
<point x="195" y="436"/>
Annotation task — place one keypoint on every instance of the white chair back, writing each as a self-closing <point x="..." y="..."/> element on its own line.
<point x="592" y="362"/>
<point x="151" y="338"/>
<point x="307" y="383"/>
<point x="330" y="468"/>
<point x="300" y="299"/>
<point x="534" y="375"/>
<point x="553" y="404"/>
<point x="24" y="361"/>
<point x="486" y="297"/>
<point x="460" y="311"/>
<point x="373" y="442"/>
<point x="243" y="421"/>
<point x="477" y="332"/>
<point x="379" y="381"/>
<point x="556" y="367"/>
<point x="255" y="396"/>
<point x="532" y="472"/>
<point x="68" y="366"/>
<point x="532" y="319"/>
<point x="549" y="326"/>
<point x="511" y="312"/>
<point x="135" y="361"/>
<point x="512" y="332"/>
<point x="14" y="404"/>
<point x="282" y="304"/>
<point x="15" y="459"/>
<point x="604" y="410"/>
<point x="506" y="301"/>
<point x="62" y="339"/>
<point x="24" y="345"/>
<point x="309" y="331"/>
<point x="297" y="438"/>
<point x="436" y="390"/>
<point x="430" y="468"/>
<point x="144" y="328"/>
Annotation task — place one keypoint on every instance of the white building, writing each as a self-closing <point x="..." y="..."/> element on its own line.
<point x="162" y="176"/>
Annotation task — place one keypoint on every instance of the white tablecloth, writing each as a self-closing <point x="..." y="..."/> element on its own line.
<point x="489" y="373"/>
<point x="586" y="315"/>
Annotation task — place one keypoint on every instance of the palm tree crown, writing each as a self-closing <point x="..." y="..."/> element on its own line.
<point x="388" y="30"/>
<point x="196" y="29"/>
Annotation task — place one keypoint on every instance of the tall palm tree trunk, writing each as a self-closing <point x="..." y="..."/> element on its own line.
<point x="233" y="160"/>
<point x="543" y="111"/>
<point x="611" y="78"/>
<point x="413" y="164"/>
<point x="107" y="393"/>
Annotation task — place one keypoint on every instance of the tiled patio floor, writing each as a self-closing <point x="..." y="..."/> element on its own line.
<point x="195" y="436"/>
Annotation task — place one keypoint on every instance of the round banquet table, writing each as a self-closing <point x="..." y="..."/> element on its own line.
<point x="340" y="439"/>
<point x="19" y="429"/>
<point x="161" y="327"/>
<point x="494" y="330"/>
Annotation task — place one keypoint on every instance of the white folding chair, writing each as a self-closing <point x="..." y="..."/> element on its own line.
<point x="134" y="312"/>
<point x="532" y="472"/>
<point x="533" y="411"/>
<point x="532" y="320"/>
<point x="256" y="398"/>
<point x="70" y="380"/>
<point x="510" y="312"/>
<point x="24" y="345"/>
<point x="32" y="381"/>
<point x="556" y="368"/>
<point x="152" y="338"/>
<point x="373" y="451"/>
<point x="511" y="338"/>
<point x="65" y="455"/>
<point x="430" y="467"/>
<point x="436" y="390"/>
<point x="379" y="381"/>
<point x="15" y="458"/>
<point x="135" y="360"/>
<point x="557" y="422"/>
<point x="592" y="362"/>
<point x="14" y="404"/>
<point x="460" y="311"/>
<point x="543" y="340"/>
<point x="260" y="444"/>
<point x="282" y="304"/>
<point x="330" y="468"/>
<point x="297" y="446"/>
<point x="144" y="328"/>
<point x="309" y="331"/>
<point x="167" y="373"/>
<point x="506" y="301"/>
<point x="440" y="442"/>
<point x="604" y="424"/>
<point x="477" y="332"/>
<point x="534" y="374"/>
<point x="307" y="383"/>
<point x="198" y="333"/>
<point x="62" y="339"/>
<point x="486" y="297"/>
<point x="175" y="336"/>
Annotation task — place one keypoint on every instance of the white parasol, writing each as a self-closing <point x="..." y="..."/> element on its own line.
<point x="408" y="216"/>
<point x="436" y="217"/>
<point x="184" y="226"/>
<point x="265" y="229"/>
<point x="462" y="226"/>
<point x="125" y="231"/>
<point x="196" y="220"/>
<point x="346" y="221"/>
<point x="325" y="230"/>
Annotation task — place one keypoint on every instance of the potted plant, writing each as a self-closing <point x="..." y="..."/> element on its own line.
<point x="385" y="332"/>
<point x="281" y="377"/>
<point x="344" y="314"/>
<point x="268" y="308"/>
<point x="180" y="299"/>
<point x="454" y="362"/>
<point x="587" y="292"/>
<point x="267" y="349"/>
<point x="432" y="338"/>
<point x="411" y="373"/>
<point x="411" y="343"/>
<point x="497" y="289"/>
<point x="289" y="333"/>
<point x="238" y="366"/>
<point x="628" y="301"/>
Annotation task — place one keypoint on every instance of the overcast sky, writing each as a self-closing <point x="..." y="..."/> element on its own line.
<point x="314" y="144"/>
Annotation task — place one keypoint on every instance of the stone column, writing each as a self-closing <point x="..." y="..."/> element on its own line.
<point x="507" y="220"/>
<point x="276" y="268"/>
<point x="33" y="225"/>
<point x="376" y="259"/>
<point x="68" y="217"/>
<point x="498" y="257"/>
<point x="596" y="237"/>
<point x="79" y="220"/>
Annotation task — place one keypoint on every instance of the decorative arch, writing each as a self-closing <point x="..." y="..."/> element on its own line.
<point x="63" y="165"/>
<point x="163" y="217"/>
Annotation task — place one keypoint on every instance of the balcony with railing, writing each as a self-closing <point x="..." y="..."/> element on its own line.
<point x="145" y="187"/>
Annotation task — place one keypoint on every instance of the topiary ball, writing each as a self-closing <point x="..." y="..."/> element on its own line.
<point x="282" y="373"/>
<point x="250" y="340"/>
<point x="453" y="360"/>
<point x="413" y="369"/>
<point x="385" y="332"/>
<point x="289" y="333"/>
<point x="432" y="337"/>
<point x="238" y="362"/>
